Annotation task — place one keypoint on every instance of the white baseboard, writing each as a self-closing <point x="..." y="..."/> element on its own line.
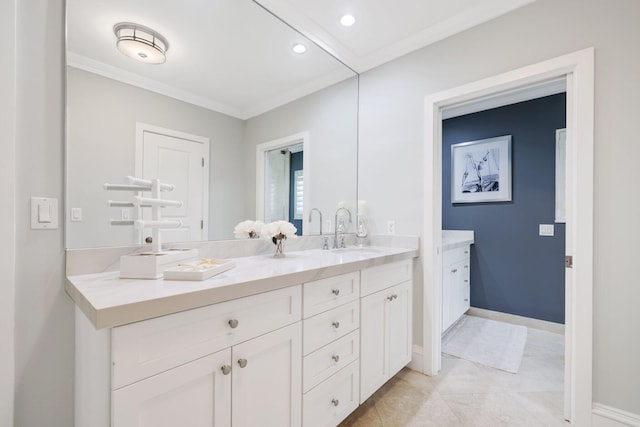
<point x="556" y="328"/>
<point x="417" y="359"/>
<point x="606" y="416"/>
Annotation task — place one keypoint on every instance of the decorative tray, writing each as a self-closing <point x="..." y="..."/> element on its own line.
<point x="199" y="270"/>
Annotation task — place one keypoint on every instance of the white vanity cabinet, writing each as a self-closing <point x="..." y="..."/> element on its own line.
<point x="331" y="348"/>
<point x="456" y="289"/>
<point x="307" y="352"/>
<point x="386" y="324"/>
<point x="205" y="366"/>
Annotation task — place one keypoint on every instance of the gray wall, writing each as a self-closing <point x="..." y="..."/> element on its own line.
<point x="513" y="269"/>
<point x="330" y="117"/>
<point x="44" y="354"/>
<point x="102" y="115"/>
<point x="7" y="215"/>
<point x="392" y="134"/>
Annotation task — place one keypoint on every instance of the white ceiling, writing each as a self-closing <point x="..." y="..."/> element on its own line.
<point x="385" y="29"/>
<point x="234" y="57"/>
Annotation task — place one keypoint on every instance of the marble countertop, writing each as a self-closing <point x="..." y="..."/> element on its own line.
<point x="109" y="301"/>
<point x="452" y="239"/>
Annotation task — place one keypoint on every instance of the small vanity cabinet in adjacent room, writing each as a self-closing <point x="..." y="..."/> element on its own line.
<point x="386" y="324"/>
<point x="456" y="289"/>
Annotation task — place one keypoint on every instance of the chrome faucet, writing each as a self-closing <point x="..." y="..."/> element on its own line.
<point x="335" y="224"/>
<point x="319" y="214"/>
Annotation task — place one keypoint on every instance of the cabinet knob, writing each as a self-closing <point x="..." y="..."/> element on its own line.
<point x="466" y="281"/>
<point x="226" y="369"/>
<point x="392" y="297"/>
<point x="395" y="296"/>
<point x="242" y="362"/>
<point x="466" y="252"/>
<point x="335" y="402"/>
<point x="455" y="270"/>
<point x="466" y="300"/>
<point x="466" y="266"/>
<point x="233" y="323"/>
<point x="336" y="324"/>
<point x="335" y="358"/>
<point x="336" y="292"/>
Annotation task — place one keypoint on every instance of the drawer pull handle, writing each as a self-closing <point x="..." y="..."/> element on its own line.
<point x="466" y="281"/>
<point x="335" y="358"/>
<point x="392" y="297"/>
<point x="466" y="266"/>
<point x="455" y="270"/>
<point x="335" y="402"/>
<point x="226" y="369"/>
<point x="242" y="362"/>
<point x="336" y="324"/>
<point x="466" y="252"/>
<point x="466" y="300"/>
<point x="336" y="292"/>
<point x="233" y="323"/>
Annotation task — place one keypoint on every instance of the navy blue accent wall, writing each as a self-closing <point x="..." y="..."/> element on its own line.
<point x="296" y="164"/>
<point x="513" y="269"/>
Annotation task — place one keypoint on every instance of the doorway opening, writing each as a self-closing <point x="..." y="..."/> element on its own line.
<point x="283" y="180"/>
<point x="578" y="70"/>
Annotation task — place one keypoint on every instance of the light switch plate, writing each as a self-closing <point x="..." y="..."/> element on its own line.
<point x="546" y="230"/>
<point x="48" y="209"/>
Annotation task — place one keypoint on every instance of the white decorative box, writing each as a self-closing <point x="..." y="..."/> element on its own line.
<point x="199" y="270"/>
<point x="149" y="265"/>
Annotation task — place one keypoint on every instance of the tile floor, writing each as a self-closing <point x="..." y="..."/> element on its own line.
<point x="468" y="394"/>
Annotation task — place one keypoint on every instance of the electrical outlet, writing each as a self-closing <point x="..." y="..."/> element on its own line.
<point x="546" y="230"/>
<point x="76" y="214"/>
<point x="391" y="227"/>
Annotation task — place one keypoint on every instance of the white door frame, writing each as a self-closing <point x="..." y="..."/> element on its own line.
<point x="141" y="128"/>
<point x="261" y="153"/>
<point x="578" y="68"/>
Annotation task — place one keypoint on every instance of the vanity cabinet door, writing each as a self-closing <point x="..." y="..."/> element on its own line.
<point x="197" y="394"/>
<point x="456" y="290"/>
<point x="267" y="380"/>
<point x="385" y="336"/>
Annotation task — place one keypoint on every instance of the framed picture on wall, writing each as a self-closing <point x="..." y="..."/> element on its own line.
<point x="481" y="171"/>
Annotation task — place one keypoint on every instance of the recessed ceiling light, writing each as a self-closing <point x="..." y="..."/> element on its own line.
<point x="299" y="48"/>
<point x="347" y="20"/>
<point x="140" y="43"/>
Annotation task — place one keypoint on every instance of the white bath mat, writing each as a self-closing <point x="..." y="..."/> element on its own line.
<point x="496" y="344"/>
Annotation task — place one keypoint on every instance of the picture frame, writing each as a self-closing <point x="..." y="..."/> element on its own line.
<point x="481" y="171"/>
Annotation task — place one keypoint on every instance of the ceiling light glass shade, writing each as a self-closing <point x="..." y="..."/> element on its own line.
<point x="141" y="43"/>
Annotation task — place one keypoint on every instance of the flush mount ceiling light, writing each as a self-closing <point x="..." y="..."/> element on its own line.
<point x="299" y="48"/>
<point x="141" y="43"/>
<point x="347" y="20"/>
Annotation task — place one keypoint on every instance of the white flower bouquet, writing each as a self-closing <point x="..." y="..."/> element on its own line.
<point x="248" y="229"/>
<point x="278" y="231"/>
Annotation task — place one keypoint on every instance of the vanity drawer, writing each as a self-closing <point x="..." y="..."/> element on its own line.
<point x="327" y="360"/>
<point x="333" y="400"/>
<point x="320" y="330"/>
<point x="375" y="279"/>
<point x="451" y="256"/>
<point x="140" y="350"/>
<point x="325" y="294"/>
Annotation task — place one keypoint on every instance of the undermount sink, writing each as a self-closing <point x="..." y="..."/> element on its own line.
<point x="356" y="249"/>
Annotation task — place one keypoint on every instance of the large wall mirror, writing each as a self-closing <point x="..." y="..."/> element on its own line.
<point x="233" y="117"/>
